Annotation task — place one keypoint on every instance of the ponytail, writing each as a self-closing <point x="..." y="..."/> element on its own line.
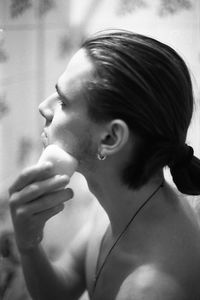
<point x="185" y="170"/>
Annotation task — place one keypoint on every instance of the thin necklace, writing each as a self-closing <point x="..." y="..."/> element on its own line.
<point x="97" y="275"/>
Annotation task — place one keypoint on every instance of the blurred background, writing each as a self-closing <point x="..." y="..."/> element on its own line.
<point x="37" y="39"/>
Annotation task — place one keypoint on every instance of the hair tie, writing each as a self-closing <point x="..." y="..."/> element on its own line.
<point x="182" y="156"/>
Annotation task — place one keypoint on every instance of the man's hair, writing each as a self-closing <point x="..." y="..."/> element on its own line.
<point x="147" y="84"/>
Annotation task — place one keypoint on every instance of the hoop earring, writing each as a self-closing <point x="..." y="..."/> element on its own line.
<point x="101" y="156"/>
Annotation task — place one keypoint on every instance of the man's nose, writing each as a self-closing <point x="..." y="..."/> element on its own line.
<point x="46" y="109"/>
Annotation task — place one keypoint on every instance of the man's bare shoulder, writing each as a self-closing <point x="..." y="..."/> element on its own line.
<point x="149" y="283"/>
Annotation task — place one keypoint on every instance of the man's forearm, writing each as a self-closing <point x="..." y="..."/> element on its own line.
<point x="41" y="277"/>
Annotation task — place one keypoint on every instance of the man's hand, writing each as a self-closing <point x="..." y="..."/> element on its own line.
<point x="36" y="196"/>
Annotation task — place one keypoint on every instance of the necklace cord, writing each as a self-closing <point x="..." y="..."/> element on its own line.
<point x="121" y="234"/>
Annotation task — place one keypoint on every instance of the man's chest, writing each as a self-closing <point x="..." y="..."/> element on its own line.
<point x="105" y="272"/>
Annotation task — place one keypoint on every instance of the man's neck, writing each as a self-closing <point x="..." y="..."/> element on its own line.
<point x="121" y="202"/>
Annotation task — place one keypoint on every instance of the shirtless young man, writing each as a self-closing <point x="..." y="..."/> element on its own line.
<point x="122" y="108"/>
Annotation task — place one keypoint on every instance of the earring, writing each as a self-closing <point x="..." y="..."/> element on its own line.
<point x="101" y="156"/>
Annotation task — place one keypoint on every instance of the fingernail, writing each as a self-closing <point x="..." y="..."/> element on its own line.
<point x="62" y="178"/>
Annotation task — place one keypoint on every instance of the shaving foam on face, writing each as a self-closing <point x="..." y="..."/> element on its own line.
<point x="63" y="162"/>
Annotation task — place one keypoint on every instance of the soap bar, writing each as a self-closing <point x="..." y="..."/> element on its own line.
<point x="63" y="162"/>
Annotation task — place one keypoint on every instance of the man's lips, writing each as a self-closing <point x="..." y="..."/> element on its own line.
<point x="44" y="139"/>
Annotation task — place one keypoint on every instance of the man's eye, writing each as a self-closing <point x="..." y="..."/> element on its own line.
<point x="60" y="101"/>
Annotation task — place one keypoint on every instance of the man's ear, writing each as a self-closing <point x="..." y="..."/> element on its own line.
<point x="116" y="136"/>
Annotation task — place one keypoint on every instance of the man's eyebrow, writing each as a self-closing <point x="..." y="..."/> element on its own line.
<point x="60" y="93"/>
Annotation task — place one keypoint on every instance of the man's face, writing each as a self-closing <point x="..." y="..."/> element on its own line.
<point x="67" y="121"/>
